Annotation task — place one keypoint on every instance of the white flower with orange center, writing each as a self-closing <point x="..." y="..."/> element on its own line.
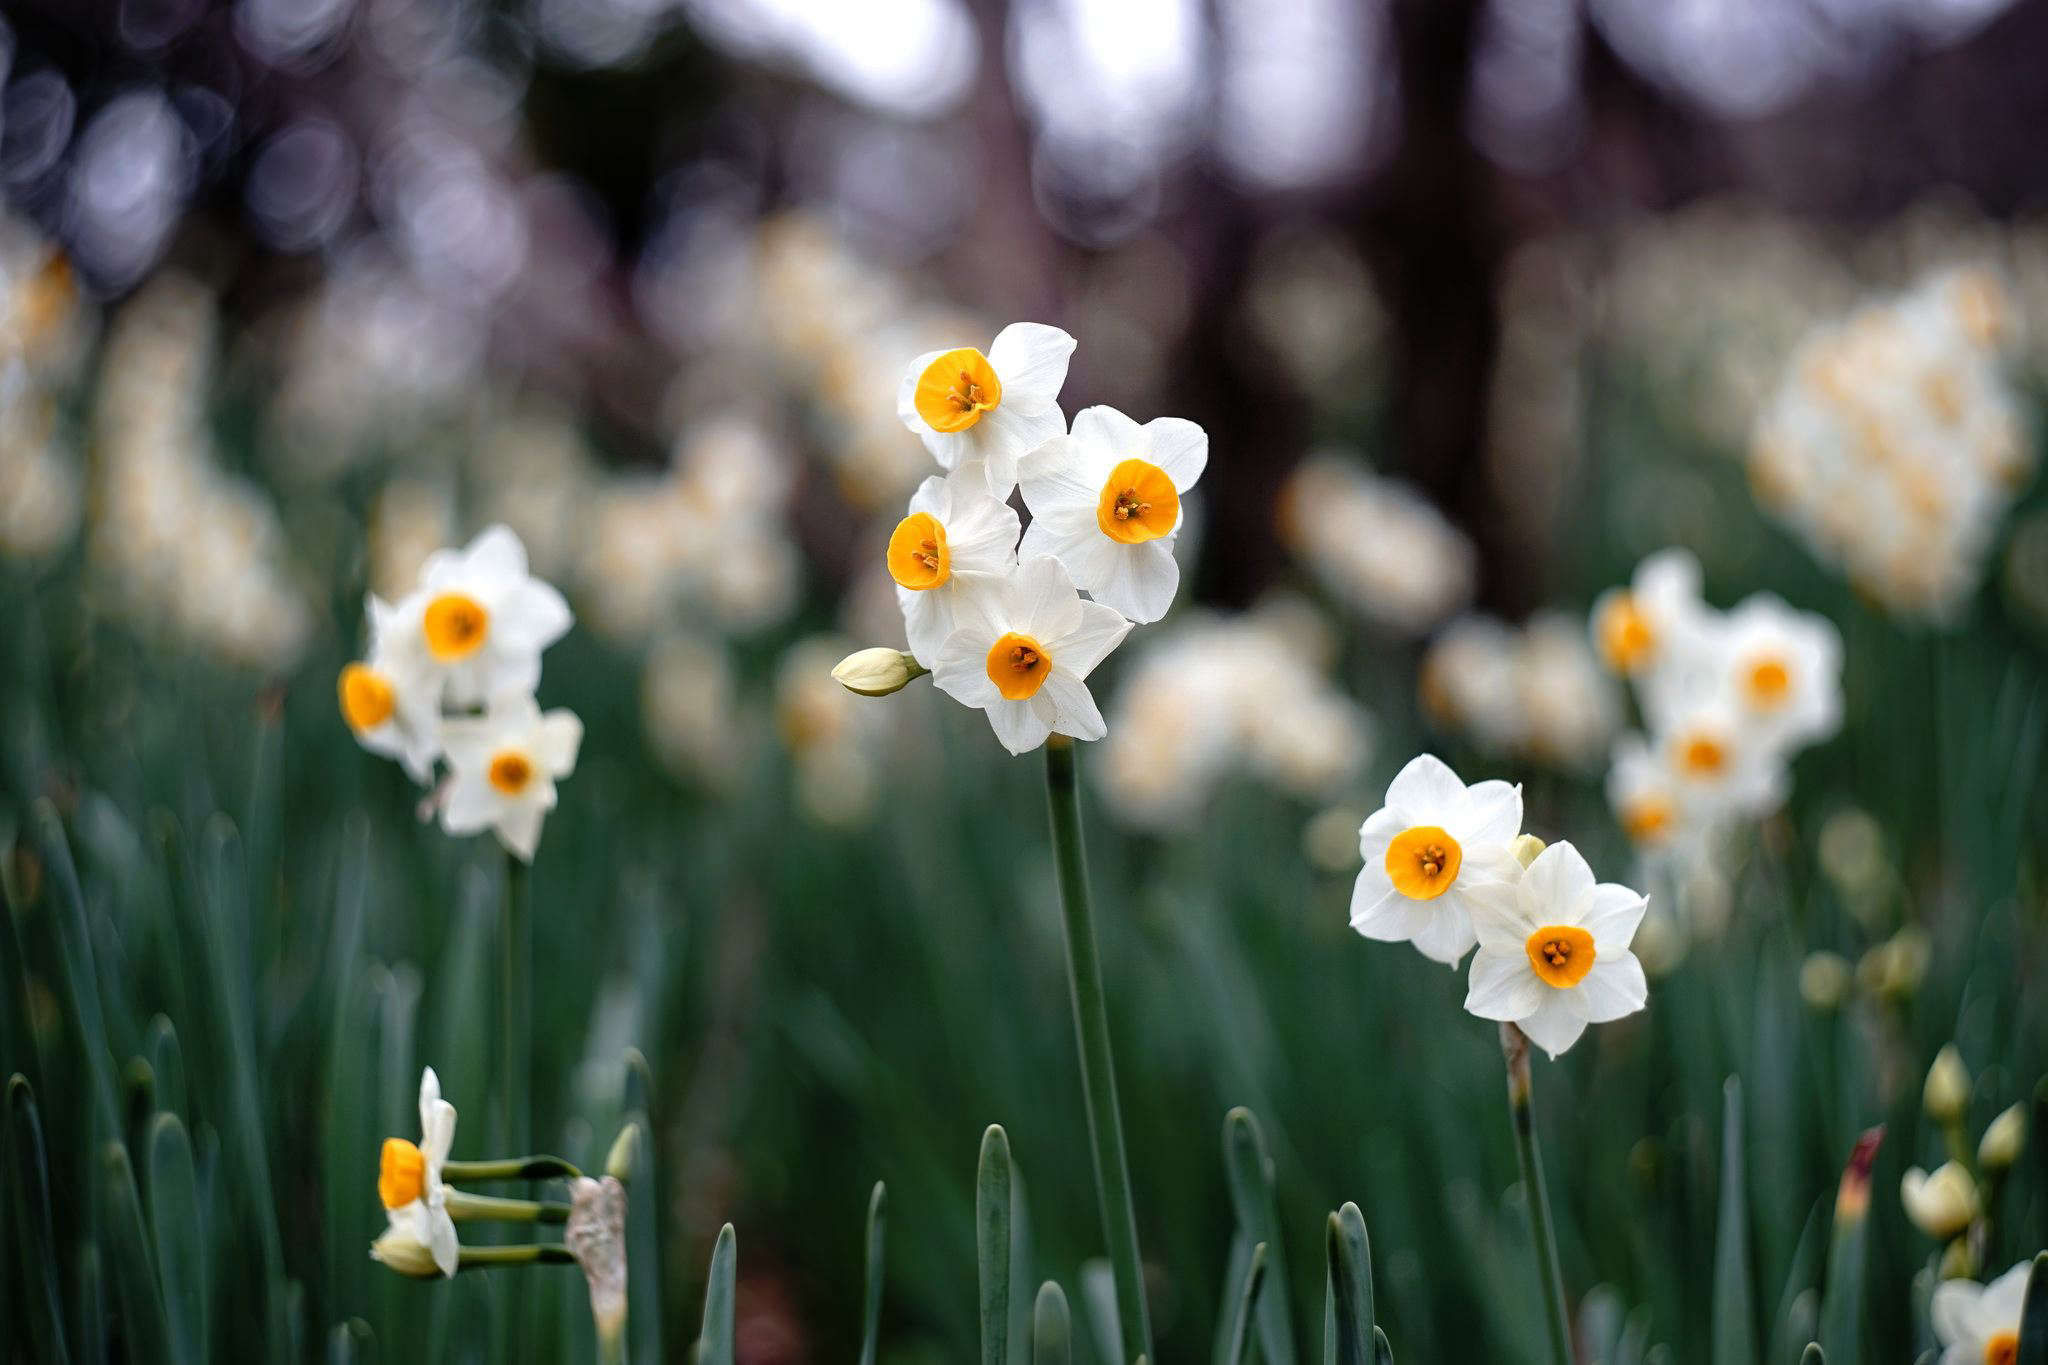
<point x="1719" y="763"/>
<point x="479" y="620"/>
<point x="503" y="767"/>
<point x="1645" y="797"/>
<point x="1643" y="627"/>
<point x="1425" y="851"/>
<point x="957" y="540"/>
<point x="409" y="1183"/>
<point x="966" y="405"/>
<point x="1554" y="950"/>
<point x="1022" y="653"/>
<point x="1979" y="1324"/>
<point x="1783" y="669"/>
<point x="388" y="705"/>
<point x="1106" y="502"/>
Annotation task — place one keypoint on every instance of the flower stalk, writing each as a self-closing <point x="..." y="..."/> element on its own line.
<point x="1098" y="1065"/>
<point x="515" y="1000"/>
<point x="1514" y="1047"/>
<point x="483" y="1208"/>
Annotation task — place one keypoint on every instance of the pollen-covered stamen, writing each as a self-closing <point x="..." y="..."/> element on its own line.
<point x="1561" y="954"/>
<point x="1423" y="862"/>
<point x="1018" y="666"/>
<point x="510" y="771"/>
<point x="456" y="626"/>
<point x="401" y="1173"/>
<point x="1128" y="505"/>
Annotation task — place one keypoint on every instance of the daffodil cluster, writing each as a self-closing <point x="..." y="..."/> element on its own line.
<point x="1445" y="870"/>
<point x="1894" y="444"/>
<point x="1954" y="1203"/>
<point x="1535" y="692"/>
<point x="999" y="620"/>
<point x="1726" y="697"/>
<point x="450" y="678"/>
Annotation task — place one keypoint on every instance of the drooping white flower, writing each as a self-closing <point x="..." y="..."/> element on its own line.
<point x="1106" y="502"/>
<point x="479" y="620"/>
<point x="1784" y="669"/>
<point x="503" y="767"/>
<point x="391" y="704"/>
<point x="1979" y="1324"/>
<point x="409" y="1183"/>
<point x="995" y="407"/>
<point x="1426" y="851"/>
<point x="1022" y="652"/>
<point x="1641" y="629"/>
<point x="958" y="539"/>
<point x="1554" y="950"/>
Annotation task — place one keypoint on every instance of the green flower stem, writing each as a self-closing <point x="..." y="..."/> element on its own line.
<point x="1514" y="1047"/>
<point x="487" y="1258"/>
<point x="512" y="1168"/>
<point x="483" y="1208"/>
<point x="515" y="1000"/>
<point x="1098" y="1066"/>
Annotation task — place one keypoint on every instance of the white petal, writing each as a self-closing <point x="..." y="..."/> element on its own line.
<point x="1611" y="914"/>
<point x="496" y="556"/>
<point x="430" y="1095"/>
<point x="934" y="496"/>
<point x="1101" y="630"/>
<point x="1954" y="1308"/>
<point x="1556" y="884"/>
<point x="1145" y="579"/>
<point x="906" y="398"/>
<point x="1005" y="436"/>
<point x="927" y="619"/>
<point x="1060" y="475"/>
<point x="1492" y="814"/>
<point x="961" y="671"/>
<point x="1999" y="1310"/>
<point x="1180" y="448"/>
<point x="1498" y="917"/>
<point x="1553" y="1027"/>
<point x="472" y="804"/>
<point x="981" y="534"/>
<point x="1377" y="833"/>
<point x="1078" y="715"/>
<point x="1040" y="600"/>
<point x="514" y="712"/>
<point x="519" y="829"/>
<point x="1613" y="988"/>
<point x="442" y="1242"/>
<point x="1426" y="790"/>
<point x="1111" y="437"/>
<point x="437" y="1133"/>
<point x="559" y="736"/>
<point x="1030" y="359"/>
<point x="1018" y="724"/>
<point x="531" y="617"/>
<point x="1448" y="934"/>
<point x="1389" y="918"/>
<point x="1503" y="987"/>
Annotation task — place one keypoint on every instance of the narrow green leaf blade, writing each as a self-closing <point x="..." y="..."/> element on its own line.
<point x="992" y="1243"/>
<point x="1253" y="1198"/>
<point x="2034" y="1315"/>
<point x="1052" y="1327"/>
<point x="1813" y="1355"/>
<point x="179" y="1237"/>
<point x="1841" y="1310"/>
<point x="1382" y="1349"/>
<point x="1245" y="1307"/>
<point x="123" y="1233"/>
<point x="714" y="1342"/>
<point x="1349" y="1256"/>
<point x="28" y="1208"/>
<point x="871" y="1305"/>
<point x="1734" y="1341"/>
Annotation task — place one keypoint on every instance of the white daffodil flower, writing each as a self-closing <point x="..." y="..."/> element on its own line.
<point x="1425" y="850"/>
<point x="1021" y="653"/>
<point x="503" y="767"/>
<point x="957" y="540"/>
<point x="1554" y="950"/>
<point x="1720" y="764"/>
<point x="1105" y="502"/>
<point x="409" y="1183"/>
<point x="968" y="406"/>
<point x="1645" y="797"/>
<point x="1979" y="1324"/>
<point x="391" y="706"/>
<point x="1643" y="628"/>
<point x="1784" y="669"/>
<point x="479" y="620"/>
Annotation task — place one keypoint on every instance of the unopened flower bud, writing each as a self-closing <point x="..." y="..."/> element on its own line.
<point x="1956" y="1261"/>
<point x="401" y="1251"/>
<point x="1941" y="1205"/>
<point x="618" y="1164"/>
<point x="877" y="672"/>
<point x="1525" y="848"/>
<point x="1948" y="1086"/>
<point x="1824" y="980"/>
<point x="2003" y="1140"/>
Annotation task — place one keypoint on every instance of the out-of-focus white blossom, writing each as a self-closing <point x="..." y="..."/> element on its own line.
<point x="41" y="491"/>
<point x="689" y="706"/>
<point x="1376" y="544"/>
<point x="831" y="734"/>
<point x="1535" y="692"/>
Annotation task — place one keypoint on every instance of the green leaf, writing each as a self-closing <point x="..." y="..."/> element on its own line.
<point x="871" y="1300"/>
<point x="180" y="1236"/>
<point x="1734" y="1341"/>
<point x="714" y="1341"/>
<point x="167" y="1065"/>
<point x="1052" y="1327"/>
<point x="28" y="1204"/>
<point x="1841" y="1309"/>
<point x="81" y="978"/>
<point x="1252" y="1198"/>
<point x="1813" y="1355"/>
<point x="143" y="1329"/>
<point x="1349" y="1257"/>
<point x="992" y="1243"/>
<point x="1382" y="1349"/>
<point x="89" y="1311"/>
<point x="1797" y="1317"/>
<point x="351" y="1343"/>
<point x="2034" y="1315"/>
<point x="1245" y="1307"/>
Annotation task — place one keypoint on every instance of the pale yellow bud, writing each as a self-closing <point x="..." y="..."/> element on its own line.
<point x="1948" y="1086"/>
<point x="877" y="672"/>
<point x="1824" y="980"/>
<point x="2004" y="1140"/>
<point x="1941" y="1205"/>
<point x="1956" y="1261"/>
<point x="1525" y="848"/>
<point x="406" y="1254"/>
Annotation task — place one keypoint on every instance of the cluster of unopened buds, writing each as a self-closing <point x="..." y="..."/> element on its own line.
<point x="450" y="678"/>
<point x="993" y="611"/>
